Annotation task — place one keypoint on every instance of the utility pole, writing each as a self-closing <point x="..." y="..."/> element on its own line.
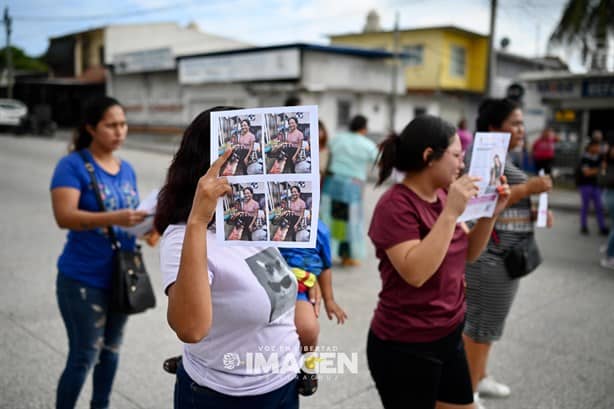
<point x="537" y="45"/>
<point x="9" y="54"/>
<point x="395" y="73"/>
<point x="490" y="73"/>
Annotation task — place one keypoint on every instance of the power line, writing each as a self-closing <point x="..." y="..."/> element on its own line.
<point x="123" y="14"/>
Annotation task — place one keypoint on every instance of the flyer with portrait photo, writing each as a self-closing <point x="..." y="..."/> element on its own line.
<point x="487" y="162"/>
<point x="274" y="175"/>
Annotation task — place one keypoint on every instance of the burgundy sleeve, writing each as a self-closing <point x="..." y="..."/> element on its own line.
<point x="394" y="221"/>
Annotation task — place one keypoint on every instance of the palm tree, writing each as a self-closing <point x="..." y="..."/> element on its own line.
<point x="588" y="24"/>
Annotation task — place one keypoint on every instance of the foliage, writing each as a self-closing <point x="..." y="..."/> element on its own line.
<point x="588" y="24"/>
<point x="22" y="61"/>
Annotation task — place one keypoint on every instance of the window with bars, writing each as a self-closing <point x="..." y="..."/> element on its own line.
<point x="343" y="113"/>
<point x="413" y="54"/>
<point x="457" y="61"/>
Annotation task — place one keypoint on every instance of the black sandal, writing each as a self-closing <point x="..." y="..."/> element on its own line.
<point x="307" y="383"/>
<point x="170" y="365"/>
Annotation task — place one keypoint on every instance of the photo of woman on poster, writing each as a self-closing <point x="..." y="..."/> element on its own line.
<point x="244" y="213"/>
<point x="287" y="146"/>
<point x="243" y="135"/>
<point x="290" y="210"/>
<point x="495" y="171"/>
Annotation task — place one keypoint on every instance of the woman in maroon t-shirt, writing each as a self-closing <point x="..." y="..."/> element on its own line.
<point x="415" y="350"/>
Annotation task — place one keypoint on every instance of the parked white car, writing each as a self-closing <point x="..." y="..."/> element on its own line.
<point x="12" y="112"/>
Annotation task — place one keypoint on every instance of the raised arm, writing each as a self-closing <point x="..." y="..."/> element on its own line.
<point x="482" y="230"/>
<point x="189" y="310"/>
<point x="417" y="260"/>
<point x="533" y="186"/>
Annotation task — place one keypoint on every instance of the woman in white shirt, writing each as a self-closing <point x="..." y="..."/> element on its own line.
<point x="233" y="307"/>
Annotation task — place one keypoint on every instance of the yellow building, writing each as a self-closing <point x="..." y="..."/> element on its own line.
<point x="444" y="58"/>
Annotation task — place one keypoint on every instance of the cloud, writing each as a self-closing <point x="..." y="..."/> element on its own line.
<point x="268" y="22"/>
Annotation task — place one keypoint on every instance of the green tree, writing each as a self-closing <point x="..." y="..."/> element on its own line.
<point x="22" y="61"/>
<point x="588" y="24"/>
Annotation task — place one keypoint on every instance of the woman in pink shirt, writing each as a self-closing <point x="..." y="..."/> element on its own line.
<point x="246" y="145"/>
<point x="297" y="209"/>
<point x="294" y="139"/>
<point x="250" y="210"/>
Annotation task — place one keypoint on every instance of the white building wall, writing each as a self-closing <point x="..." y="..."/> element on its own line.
<point x="343" y="72"/>
<point x="181" y="40"/>
<point x="535" y="114"/>
<point x="197" y="98"/>
<point x="328" y="80"/>
<point x="150" y="98"/>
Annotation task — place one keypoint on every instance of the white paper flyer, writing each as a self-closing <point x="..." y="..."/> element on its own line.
<point x="274" y="175"/>
<point x="149" y="205"/>
<point x="542" y="207"/>
<point x="488" y="162"/>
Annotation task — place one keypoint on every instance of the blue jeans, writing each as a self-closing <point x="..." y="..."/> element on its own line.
<point x="609" y="204"/>
<point x="94" y="337"/>
<point x="190" y="395"/>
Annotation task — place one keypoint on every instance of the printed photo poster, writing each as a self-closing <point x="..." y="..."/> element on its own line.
<point x="274" y="175"/>
<point x="488" y="162"/>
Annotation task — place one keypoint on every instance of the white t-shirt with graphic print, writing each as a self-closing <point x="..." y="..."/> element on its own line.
<point x="252" y="347"/>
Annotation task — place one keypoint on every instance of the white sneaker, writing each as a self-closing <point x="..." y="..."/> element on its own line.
<point x="489" y="387"/>
<point x="479" y="403"/>
<point x="607" y="262"/>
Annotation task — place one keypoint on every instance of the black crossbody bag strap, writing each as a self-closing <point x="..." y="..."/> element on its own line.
<point x="90" y="170"/>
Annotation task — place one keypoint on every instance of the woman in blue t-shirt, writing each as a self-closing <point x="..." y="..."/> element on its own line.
<point x="85" y="265"/>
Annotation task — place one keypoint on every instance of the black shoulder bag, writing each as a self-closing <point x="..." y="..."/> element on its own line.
<point x="522" y="258"/>
<point x="131" y="290"/>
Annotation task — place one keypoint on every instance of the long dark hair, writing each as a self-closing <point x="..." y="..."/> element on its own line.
<point x="324" y="141"/>
<point x="493" y="112"/>
<point x="404" y="151"/>
<point x="189" y="163"/>
<point x="93" y="112"/>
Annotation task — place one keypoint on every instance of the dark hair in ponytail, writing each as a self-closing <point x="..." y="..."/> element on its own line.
<point x="404" y="151"/>
<point x="493" y="112"/>
<point x="93" y="111"/>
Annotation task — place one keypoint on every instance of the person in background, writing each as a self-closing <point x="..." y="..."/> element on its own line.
<point x="86" y="263"/>
<point x="465" y="136"/>
<point x="607" y="173"/>
<point x="351" y="155"/>
<point x="324" y="151"/>
<point x="586" y="179"/>
<point x="223" y="302"/>
<point x="415" y="349"/>
<point x="543" y="150"/>
<point x="292" y="100"/>
<point x="597" y="136"/>
<point x="490" y="290"/>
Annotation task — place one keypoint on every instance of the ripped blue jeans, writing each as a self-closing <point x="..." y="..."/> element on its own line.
<point x="94" y="338"/>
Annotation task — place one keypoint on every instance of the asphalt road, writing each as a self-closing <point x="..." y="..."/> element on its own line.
<point x="557" y="352"/>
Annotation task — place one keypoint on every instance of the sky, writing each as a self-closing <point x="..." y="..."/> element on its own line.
<point x="527" y="23"/>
